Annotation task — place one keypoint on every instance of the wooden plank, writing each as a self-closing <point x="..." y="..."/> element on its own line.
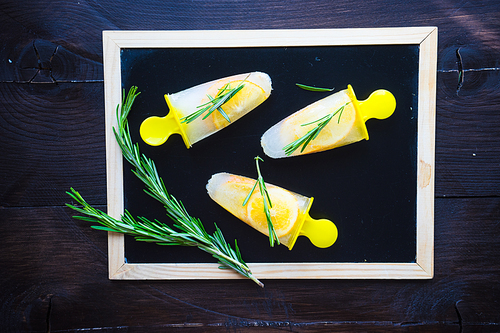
<point x="275" y="37"/>
<point x="467" y="136"/>
<point x="114" y="161"/>
<point x="29" y="58"/>
<point x="426" y="142"/>
<point x="79" y="56"/>
<point x="61" y="264"/>
<point x="184" y="271"/>
<point x="52" y="139"/>
<point x="46" y="41"/>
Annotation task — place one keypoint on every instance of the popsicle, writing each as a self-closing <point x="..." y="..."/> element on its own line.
<point x="289" y="212"/>
<point x="251" y="90"/>
<point x="334" y="121"/>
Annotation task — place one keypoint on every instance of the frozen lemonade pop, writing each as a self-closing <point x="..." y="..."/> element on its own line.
<point x="200" y="111"/>
<point x="334" y="121"/>
<point x="289" y="212"/>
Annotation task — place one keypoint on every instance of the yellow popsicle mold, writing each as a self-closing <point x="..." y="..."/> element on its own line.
<point x="381" y="104"/>
<point x="156" y="130"/>
<point x="322" y="233"/>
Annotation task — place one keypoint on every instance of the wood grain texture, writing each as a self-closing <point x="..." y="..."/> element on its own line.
<point x="54" y="268"/>
<point x="52" y="139"/>
<point x="467" y="138"/>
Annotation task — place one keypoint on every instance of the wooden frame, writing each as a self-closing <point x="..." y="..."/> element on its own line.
<point x="425" y="37"/>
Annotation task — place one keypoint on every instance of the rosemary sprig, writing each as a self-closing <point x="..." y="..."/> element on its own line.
<point x="311" y="88"/>
<point x="191" y="230"/>
<point x="223" y="95"/>
<point x="313" y="133"/>
<point x="273" y="237"/>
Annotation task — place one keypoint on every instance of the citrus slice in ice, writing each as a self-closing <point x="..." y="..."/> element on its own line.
<point x="248" y="98"/>
<point x="284" y="211"/>
<point x="334" y="132"/>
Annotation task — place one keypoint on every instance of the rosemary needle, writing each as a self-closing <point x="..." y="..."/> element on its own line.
<point x="313" y="133"/>
<point x="273" y="237"/>
<point x="215" y="103"/>
<point x="190" y="231"/>
<point x="311" y="88"/>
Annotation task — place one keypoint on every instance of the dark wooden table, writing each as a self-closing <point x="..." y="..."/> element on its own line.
<point x="53" y="268"/>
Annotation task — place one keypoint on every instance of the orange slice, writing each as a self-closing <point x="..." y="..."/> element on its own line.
<point x="284" y="211"/>
<point x="332" y="134"/>
<point x="248" y="98"/>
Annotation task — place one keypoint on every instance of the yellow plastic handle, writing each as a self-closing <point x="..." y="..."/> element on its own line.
<point x="156" y="130"/>
<point x="322" y="233"/>
<point x="380" y="104"/>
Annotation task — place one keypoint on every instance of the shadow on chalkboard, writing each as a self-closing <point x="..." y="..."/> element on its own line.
<point x="368" y="188"/>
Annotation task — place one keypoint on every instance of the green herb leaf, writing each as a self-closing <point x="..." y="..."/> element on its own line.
<point x="311" y="88"/>
<point x="313" y="133"/>
<point x="273" y="237"/>
<point x="190" y="231"/>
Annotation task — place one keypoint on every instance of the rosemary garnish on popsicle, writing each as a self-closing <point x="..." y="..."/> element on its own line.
<point x="273" y="237"/>
<point x="215" y="103"/>
<point x="313" y="133"/>
<point x="190" y="231"/>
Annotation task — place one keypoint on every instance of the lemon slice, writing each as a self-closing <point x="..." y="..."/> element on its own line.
<point x="330" y="136"/>
<point x="284" y="211"/>
<point x="248" y="98"/>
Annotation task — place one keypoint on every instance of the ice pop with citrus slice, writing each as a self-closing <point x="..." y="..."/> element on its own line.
<point x="334" y="121"/>
<point x="202" y="110"/>
<point x="289" y="212"/>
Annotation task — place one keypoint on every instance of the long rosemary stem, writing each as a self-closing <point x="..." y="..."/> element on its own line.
<point x="192" y="231"/>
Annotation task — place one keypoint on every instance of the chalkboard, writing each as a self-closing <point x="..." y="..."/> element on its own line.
<point x="379" y="192"/>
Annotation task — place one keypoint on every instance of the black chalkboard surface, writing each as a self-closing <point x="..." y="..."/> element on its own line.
<point x="368" y="189"/>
